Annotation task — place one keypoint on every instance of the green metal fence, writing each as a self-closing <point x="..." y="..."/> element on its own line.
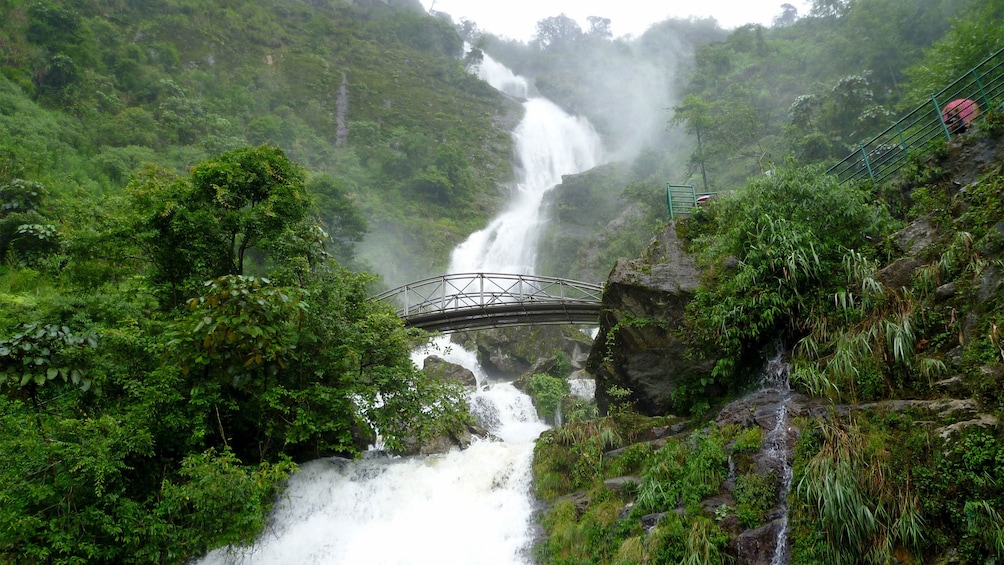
<point x="681" y="199"/>
<point x="890" y="150"/>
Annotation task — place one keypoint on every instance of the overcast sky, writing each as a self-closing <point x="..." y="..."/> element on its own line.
<point x="517" y="19"/>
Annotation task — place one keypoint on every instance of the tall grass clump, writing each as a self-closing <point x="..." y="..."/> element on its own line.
<point x="770" y="253"/>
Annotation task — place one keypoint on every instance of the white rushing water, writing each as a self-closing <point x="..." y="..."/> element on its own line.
<point x="779" y="449"/>
<point x="549" y="143"/>
<point x="464" y="507"/>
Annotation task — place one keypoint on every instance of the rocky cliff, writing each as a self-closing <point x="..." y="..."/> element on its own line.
<point x="639" y="347"/>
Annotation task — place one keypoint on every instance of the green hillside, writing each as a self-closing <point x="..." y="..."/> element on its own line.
<point x="371" y="98"/>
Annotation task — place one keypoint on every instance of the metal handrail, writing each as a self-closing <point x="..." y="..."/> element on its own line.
<point x="914" y="134"/>
<point x="473" y="300"/>
<point x="681" y="199"/>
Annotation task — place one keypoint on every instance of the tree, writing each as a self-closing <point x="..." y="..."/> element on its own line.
<point x="248" y="201"/>
<point x="788" y="15"/>
<point x="23" y="228"/>
<point x="599" y="27"/>
<point x="254" y="194"/>
<point x="556" y="32"/>
<point x="697" y="116"/>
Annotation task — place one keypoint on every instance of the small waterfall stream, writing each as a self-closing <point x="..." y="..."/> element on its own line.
<point x="463" y="507"/>
<point x="778" y="449"/>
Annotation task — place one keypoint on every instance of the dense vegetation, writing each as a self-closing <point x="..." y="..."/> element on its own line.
<point x="897" y="343"/>
<point x="183" y="186"/>
<point x="373" y="100"/>
<point x="149" y="415"/>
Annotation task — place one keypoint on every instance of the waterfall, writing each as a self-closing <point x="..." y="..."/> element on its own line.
<point x="471" y="506"/>
<point x="549" y="143"/>
<point x="778" y="449"/>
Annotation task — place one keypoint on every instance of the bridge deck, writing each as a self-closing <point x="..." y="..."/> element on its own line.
<point x="467" y="301"/>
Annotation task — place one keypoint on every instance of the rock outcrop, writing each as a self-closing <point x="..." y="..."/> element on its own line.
<point x="638" y="347"/>
<point x="511" y="352"/>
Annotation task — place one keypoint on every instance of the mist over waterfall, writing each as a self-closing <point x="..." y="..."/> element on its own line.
<point x="470" y="506"/>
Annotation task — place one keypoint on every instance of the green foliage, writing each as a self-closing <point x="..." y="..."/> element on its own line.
<point x="25" y="233"/>
<point x="547" y="393"/>
<point x="39" y="353"/>
<point x="974" y="36"/>
<point x="216" y="499"/>
<point x="681" y="475"/>
<point x="89" y="93"/>
<point x="806" y="88"/>
<point x="148" y="433"/>
<point x="868" y="489"/>
<point x="787" y="234"/>
<point x="755" y="495"/>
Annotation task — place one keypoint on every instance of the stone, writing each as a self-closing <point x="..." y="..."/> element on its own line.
<point x="946" y="291"/>
<point x="899" y="273"/>
<point x="916" y="237"/>
<point x="446" y="371"/>
<point x="756" y="546"/>
<point x="622" y="484"/>
<point x="638" y="346"/>
<point x="511" y="352"/>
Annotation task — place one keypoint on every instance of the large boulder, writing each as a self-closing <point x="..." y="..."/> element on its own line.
<point x="639" y="345"/>
<point x="445" y="371"/>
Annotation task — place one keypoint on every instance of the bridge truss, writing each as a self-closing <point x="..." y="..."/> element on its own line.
<point x="467" y="301"/>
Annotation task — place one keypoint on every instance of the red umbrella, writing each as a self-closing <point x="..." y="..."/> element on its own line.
<point x="959" y="113"/>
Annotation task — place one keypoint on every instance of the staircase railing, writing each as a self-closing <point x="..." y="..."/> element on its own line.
<point x="912" y="135"/>
<point x="681" y="199"/>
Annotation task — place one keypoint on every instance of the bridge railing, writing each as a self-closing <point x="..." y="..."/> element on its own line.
<point x="889" y="151"/>
<point x="462" y="291"/>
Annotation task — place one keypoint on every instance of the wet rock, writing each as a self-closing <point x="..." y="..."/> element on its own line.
<point x="580" y="500"/>
<point x="955" y="386"/>
<point x="916" y="237"/>
<point x="711" y="505"/>
<point x="899" y="273"/>
<point x="622" y="484"/>
<point x="443" y="443"/>
<point x="446" y="371"/>
<point x="980" y="421"/>
<point x="638" y="347"/>
<point x="512" y="352"/>
<point x="649" y="521"/>
<point x="946" y="291"/>
<point x="756" y="546"/>
<point x="990" y="282"/>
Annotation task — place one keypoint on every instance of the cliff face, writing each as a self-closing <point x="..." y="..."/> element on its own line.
<point x="639" y="346"/>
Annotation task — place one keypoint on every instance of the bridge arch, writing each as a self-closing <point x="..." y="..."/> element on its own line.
<point x="468" y="301"/>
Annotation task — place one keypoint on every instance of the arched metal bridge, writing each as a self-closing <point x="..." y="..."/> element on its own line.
<point x="468" y="301"/>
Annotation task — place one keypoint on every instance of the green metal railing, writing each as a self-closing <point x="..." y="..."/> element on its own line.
<point x="681" y="199"/>
<point x="912" y="135"/>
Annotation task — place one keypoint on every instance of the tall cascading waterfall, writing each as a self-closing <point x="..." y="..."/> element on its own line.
<point x="549" y="144"/>
<point x="470" y="506"/>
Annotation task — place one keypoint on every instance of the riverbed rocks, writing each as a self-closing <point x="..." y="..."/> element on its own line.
<point x="638" y="347"/>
